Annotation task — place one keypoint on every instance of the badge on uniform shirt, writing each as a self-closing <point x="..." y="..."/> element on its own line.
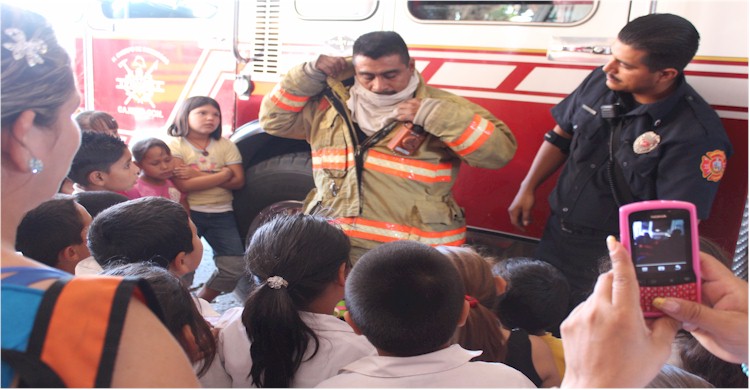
<point x="713" y="165"/>
<point x="646" y="142"/>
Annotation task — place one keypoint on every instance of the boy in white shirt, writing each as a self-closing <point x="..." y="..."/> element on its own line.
<point x="407" y="299"/>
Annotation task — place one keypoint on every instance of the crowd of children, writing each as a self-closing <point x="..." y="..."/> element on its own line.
<point x="414" y="315"/>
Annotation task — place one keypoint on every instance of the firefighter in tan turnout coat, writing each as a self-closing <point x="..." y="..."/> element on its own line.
<point x="353" y="112"/>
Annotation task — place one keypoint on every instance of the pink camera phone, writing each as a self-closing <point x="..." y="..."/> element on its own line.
<point x="662" y="238"/>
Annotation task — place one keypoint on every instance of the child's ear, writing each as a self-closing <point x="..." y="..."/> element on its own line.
<point x="464" y="314"/>
<point x="68" y="254"/>
<point x="97" y="178"/>
<point x="137" y="164"/>
<point x="341" y="278"/>
<point x="500" y="285"/>
<point x="350" y="321"/>
<point x="179" y="266"/>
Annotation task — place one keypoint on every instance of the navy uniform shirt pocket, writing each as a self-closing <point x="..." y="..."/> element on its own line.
<point x="639" y="170"/>
<point x="589" y="135"/>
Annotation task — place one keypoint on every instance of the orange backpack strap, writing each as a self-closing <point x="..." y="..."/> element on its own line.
<point x="79" y="323"/>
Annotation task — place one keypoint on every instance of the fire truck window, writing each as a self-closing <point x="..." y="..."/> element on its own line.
<point x="560" y="12"/>
<point x="132" y="9"/>
<point x="335" y="9"/>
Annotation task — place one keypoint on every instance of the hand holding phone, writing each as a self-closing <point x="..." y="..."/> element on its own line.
<point x="662" y="238"/>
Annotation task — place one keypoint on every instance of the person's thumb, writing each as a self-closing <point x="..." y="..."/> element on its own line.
<point x="692" y="314"/>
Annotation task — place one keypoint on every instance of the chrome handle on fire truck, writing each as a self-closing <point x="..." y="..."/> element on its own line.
<point x="235" y="35"/>
<point x="579" y="49"/>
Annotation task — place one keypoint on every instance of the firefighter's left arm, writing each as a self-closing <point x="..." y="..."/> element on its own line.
<point x="475" y="135"/>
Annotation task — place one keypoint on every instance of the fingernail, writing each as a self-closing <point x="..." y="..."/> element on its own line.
<point x="611" y="240"/>
<point x="667" y="305"/>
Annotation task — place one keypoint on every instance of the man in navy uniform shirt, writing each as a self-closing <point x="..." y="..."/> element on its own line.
<point x="633" y="130"/>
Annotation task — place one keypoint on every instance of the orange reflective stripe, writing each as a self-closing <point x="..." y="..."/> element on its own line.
<point x="408" y="168"/>
<point x="473" y="137"/>
<point x="387" y="232"/>
<point x="330" y="158"/>
<point x="286" y="101"/>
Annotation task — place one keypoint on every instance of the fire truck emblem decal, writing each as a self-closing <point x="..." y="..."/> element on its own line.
<point x="138" y="82"/>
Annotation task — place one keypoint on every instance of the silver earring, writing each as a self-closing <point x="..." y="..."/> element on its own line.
<point x="35" y="165"/>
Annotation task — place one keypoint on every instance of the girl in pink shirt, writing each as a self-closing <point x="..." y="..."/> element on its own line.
<point x="154" y="159"/>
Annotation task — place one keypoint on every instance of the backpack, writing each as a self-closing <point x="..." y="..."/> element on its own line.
<point x="68" y="349"/>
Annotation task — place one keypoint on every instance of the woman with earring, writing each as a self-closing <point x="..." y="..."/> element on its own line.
<point x="38" y="142"/>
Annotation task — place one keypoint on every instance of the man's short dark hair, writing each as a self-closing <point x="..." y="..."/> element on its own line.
<point x="98" y="152"/>
<point x="669" y="41"/>
<point x="49" y="228"/>
<point x="405" y="297"/>
<point x="378" y="44"/>
<point x="97" y="201"/>
<point x="144" y="229"/>
<point x="536" y="298"/>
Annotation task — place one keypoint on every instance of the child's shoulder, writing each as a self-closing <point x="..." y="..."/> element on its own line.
<point x="175" y="141"/>
<point x="224" y="143"/>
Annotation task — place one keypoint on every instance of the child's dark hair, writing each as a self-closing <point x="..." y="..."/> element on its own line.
<point x="144" y="229"/>
<point x="405" y="297"/>
<point x="98" y="152"/>
<point x="97" y="201"/>
<point x="536" y="297"/>
<point x="49" y="228"/>
<point x="140" y="148"/>
<point x="178" y="307"/>
<point x="482" y="329"/>
<point x="307" y="252"/>
<point x="180" y="127"/>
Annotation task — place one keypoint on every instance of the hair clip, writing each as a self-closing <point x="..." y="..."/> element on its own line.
<point x="276" y="282"/>
<point x="472" y="301"/>
<point x="31" y="49"/>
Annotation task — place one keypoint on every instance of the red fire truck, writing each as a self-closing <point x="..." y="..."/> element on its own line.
<point x="139" y="59"/>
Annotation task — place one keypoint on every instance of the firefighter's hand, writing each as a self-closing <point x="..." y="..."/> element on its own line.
<point x="406" y="111"/>
<point x="331" y="66"/>
<point x="606" y="340"/>
<point x="520" y="209"/>
<point x="720" y="323"/>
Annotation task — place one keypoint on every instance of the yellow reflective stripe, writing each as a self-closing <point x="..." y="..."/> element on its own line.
<point x="409" y="168"/>
<point x="473" y="136"/>
<point x="287" y="101"/>
<point x="387" y="232"/>
<point x="330" y="158"/>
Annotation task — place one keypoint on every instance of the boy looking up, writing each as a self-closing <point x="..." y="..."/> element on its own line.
<point x="103" y="163"/>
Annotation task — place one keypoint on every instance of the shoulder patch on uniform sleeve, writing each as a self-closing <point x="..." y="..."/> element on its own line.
<point x="713" y="165"/>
